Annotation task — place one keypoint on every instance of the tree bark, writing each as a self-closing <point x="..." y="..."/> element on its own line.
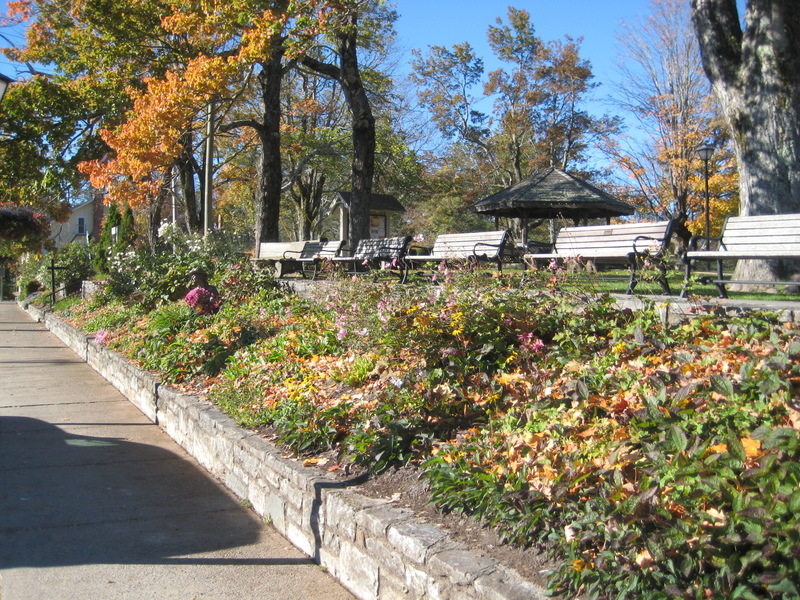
<point x="186" y="174"/>
<point x="363" y="133"/>
<point x="755" y="73"/>
<point x="268" y="198"/>
<point x="348" y="74"/>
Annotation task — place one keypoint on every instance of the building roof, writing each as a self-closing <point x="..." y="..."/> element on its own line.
<point x="377" y="202"/>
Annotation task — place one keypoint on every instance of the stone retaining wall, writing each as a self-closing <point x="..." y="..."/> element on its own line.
<point x="378" y="551"/>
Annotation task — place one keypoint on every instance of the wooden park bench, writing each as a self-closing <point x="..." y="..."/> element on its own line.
<point x="297" y="257"/>
<point x="375" y="254"/>
<point x="626" y="244"/>
<point x="764" y="237"/>
<point x="473" y="248"/>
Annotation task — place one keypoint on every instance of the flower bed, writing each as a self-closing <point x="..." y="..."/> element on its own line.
<point x="649" y="462"/>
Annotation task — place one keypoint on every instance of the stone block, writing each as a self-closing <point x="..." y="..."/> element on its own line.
<point x="392" y="588"/>
<point x="300" y="537"/>
<point x="415" y="541"/>
<point x="505" y="584"/>
<point x="341" y="508"/>
<point x="359" y="572"/>
<point x="375" y="521"/>
<point x="391" y="561"/>
<point x="462" y="567"/>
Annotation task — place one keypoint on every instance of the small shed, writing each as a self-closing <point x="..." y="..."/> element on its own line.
<point x="552" y="195"/>
<point x="380" y="208"/>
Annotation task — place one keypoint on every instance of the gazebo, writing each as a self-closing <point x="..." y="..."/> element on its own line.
<point x="552" y="195"/>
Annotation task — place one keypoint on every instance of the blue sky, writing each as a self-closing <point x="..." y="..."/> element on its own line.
<point x="424" y="23"/>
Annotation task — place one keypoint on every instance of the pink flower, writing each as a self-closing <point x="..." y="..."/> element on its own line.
<point x="530" y="343"/>
<point x="202" y="300"/>
<point x="102" y="336"/>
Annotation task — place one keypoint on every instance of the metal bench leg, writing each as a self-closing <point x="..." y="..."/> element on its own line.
<point x="632" y="263"/>
<point x="723" y="293"/>
<point x="686" y="277"/>
<point x="632" y="282"/>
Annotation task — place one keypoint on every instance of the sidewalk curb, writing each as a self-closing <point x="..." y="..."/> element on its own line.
<point x="376" y="550"/>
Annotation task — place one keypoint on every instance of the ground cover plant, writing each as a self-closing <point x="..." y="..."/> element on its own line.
<point x="648" y="461"/>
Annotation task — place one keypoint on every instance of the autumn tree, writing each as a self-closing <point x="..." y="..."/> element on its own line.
<point x="755" y="73"/>
<point x="317" y="148"/>
<point x="668" y="95"/>
<point x="96" y="53"/>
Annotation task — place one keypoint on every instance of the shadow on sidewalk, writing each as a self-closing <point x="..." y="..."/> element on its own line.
<point x="70" y="499"/>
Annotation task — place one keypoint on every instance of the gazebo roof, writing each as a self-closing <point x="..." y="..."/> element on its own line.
<point x="552" y="195"/>
<point x="376" y="202"/>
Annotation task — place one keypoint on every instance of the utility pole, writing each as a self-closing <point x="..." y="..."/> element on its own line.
<point x="208" y="172"/>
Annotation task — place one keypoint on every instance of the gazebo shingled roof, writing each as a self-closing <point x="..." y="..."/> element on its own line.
<point x="554" y="194"/>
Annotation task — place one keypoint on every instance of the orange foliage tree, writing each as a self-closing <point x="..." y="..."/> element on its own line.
<point x="668" y="94"/>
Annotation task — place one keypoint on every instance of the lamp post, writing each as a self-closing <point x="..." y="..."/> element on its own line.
<point x="705" y="152"/>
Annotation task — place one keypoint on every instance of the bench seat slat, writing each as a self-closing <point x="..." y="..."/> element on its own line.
<point x="761" y="237"/>
<point x="753" y="253"/>
<point x="613" y="244"/>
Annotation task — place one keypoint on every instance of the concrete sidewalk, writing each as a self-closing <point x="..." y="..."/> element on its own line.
<point x="97" y="502"/>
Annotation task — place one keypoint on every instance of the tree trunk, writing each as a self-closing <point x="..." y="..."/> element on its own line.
<point x="310" y="187"/>
<point x="363" y="133"/>
<point x="186" y="173"/>
<point x="755" y="74"/>
<point x="154" y="218"/>
<point x="268" y="199"/>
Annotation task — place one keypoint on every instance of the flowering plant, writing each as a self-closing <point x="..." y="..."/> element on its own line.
<point x="204" y="301"/>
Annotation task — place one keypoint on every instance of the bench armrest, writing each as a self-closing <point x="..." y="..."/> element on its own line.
<point x="693" y="241"/>
<point x="537" y="247"/>
<point x="487" y="244"/>
<point x="649" y="247"/>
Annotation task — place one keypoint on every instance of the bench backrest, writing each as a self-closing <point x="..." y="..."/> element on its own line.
<point x="466" y="245"/>
<point x="276" y="250"/>
<point x="765" y="233"/>
<point x="613" y="241"/>
<point x="299" y="250"/>
<point x="382" y="248"/>
<point x="318" y="249"/>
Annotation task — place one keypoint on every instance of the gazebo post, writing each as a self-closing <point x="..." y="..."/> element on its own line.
<point x="524" y="222"/>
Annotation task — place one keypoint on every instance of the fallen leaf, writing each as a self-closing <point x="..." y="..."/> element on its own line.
<point x="752" y="448"/>
<point x="644" y="559"/>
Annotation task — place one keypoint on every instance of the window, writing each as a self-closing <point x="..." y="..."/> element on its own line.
<point x="81" y="225"/>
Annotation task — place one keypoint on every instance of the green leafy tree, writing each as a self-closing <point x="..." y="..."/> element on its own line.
<point x="105" y="247"/>
<point x="538" y="120"/>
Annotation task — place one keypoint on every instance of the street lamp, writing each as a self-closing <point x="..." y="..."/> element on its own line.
<point x="705" y="152"/>
<point x="4" y="81"/>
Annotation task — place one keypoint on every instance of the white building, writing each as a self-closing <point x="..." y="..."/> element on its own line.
<point x="84" y="223"/>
